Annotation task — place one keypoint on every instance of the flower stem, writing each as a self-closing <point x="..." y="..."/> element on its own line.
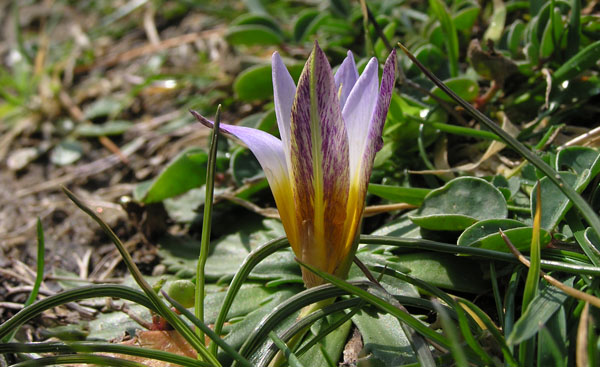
<point x="206" y="223"/>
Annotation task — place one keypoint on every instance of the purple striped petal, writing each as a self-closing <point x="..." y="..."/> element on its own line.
<point x="319" y="159"/>
<point x="346" y="77"/>
<point x="358" y="113"/>
<point x="284" y="91"/>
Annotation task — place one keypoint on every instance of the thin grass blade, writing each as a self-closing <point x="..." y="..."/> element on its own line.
<point x="206" y="223"/>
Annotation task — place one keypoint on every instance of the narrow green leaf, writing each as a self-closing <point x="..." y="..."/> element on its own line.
<point x="96" y="346"/>
<point x="381" y="304"/>
<point x="303" y="323"/>
<point x="449" y="328"/>
<point x="494" y="30"/>
<point x="257" y="19"/>
<point x="533" y="275"/>
<point x="577" y="64"/>
<point x="39" y="275"/>
<point x="291" y="357"/>
<point x="253" y="259"/>
<point x="493" y="329"/>
<point x="102" y="290"/>
<point x="540" y="309"/>
<point x="205" y="329"/>
<point x="574" y="28"/>
<point x="484" y="234"/>
<point x="115" y="127"/>
<point x="163" y="310"/>
<point x="79" y="358"/>
<point x="443" y="15"/>
<point x="288" y="308"/>
<point x="398" y="194"/>
<point x="586" y="238"/>
<point x="415" y="244"/>
<point x="206" y="222"/>
<point x="301" y="25"/>
<point x="515" y="36"/>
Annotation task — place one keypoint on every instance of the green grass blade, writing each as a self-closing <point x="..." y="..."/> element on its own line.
<point x="253" y="259"/>
<point x="585" y="59"/>
<point x="39" y="275"/>
<point x="496" y="292"/>
<point x="577" y="64"/>
<point x="79" y="358"/>
<point x="95" y="346"/>
<point x="206" y="223"/>
<point x="354" y="303"/>
<point x="533" y="275"/>
<point x="211" y="334"/>
<point x="382" y="305"/>
<point x="93" y="291"/>
<point x="540" y="309"/>
<point x="574" y="29"/>
<point x="428" y="245"/>
<point x="286" y="309"/>
<point x="443" y="15"/>
<point x="163" y="310"/>
<point x="463" y="324"/>
<point x="450" y="330"/>
<point x="291" y="357"/>
<point x="506" y="351"/>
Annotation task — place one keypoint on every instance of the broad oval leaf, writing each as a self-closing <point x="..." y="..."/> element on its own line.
<point x="466" y="88"/>
<point x="244" y="166"/>
<point x="485" y="235"/>
<point x="257" y="19"/>
<point x="302" y="23"/>
<point x="446" y="271"/>
<point x="252" y="34"/>
<point x="465" y="18"/>
<point x="460" y="203"/>
<point x="383" y="339"/>
<point x="186" y="171"/>
<point x="586" y="163"/>
<point x="580" y="160"/>
<point x="255" y="83"/>
<point x="429" y="55"/>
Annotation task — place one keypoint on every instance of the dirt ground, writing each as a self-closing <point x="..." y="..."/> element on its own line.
<point x="109" y="167"/>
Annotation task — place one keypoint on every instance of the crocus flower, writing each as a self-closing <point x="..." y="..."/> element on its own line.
<point x="330" y="128"/>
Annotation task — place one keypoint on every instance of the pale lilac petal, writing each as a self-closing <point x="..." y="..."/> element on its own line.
<point x="319" y="160"/>
<point x="374" y="141"/>
<point x="358" y="113"/>
<point x="346" y="76"/>
<point x="267" y="149"/>
<point x="284" y="91"/>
